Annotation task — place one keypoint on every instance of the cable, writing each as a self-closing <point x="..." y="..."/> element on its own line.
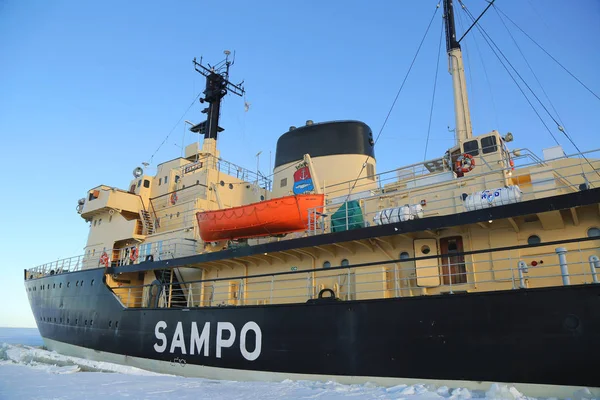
<point x="549" y="55"/>
<point x="437" y="67"/>
<point x="488" y="39"/>
<point x="529" y="66"/>
<point x="175" y="126"/>
<point x="486" y="36"/>
<point x="396" y="98"/>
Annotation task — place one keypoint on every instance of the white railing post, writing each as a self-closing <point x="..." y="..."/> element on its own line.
<point x="348" y="285"/>
<point x="522" y="267"/>
<point x="594" y="264"/>
<point x="272" y="283"/>
<point x="564" y="268"/>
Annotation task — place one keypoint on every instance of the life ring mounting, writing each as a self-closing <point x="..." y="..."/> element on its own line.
<point x="465" y="163"/>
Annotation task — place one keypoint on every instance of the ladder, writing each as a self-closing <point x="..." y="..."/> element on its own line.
<point x="147" y="222"/>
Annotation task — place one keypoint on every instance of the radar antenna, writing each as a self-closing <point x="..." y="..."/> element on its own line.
<point x="217" y="86"/>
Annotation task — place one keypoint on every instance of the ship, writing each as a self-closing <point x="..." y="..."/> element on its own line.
<point x="475" y="267"/>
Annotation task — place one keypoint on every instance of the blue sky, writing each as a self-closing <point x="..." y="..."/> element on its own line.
<point x="89" y="90"/>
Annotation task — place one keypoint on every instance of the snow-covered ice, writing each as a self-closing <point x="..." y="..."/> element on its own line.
<point x="27" y="371"/>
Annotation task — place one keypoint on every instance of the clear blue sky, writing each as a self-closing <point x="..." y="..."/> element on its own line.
<point x="88" y="91"/>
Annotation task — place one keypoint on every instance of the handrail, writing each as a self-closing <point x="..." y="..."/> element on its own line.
<point x="399" y="260"/>
<point x="508" y="272"/>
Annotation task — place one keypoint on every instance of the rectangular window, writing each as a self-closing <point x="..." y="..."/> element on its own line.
<point x="283" y="182"/>
<point x="371" y="171"/>
<point x="139" y="183"/>
<point x="166" y="179"/>
<point x="472" y="147"/>
<point x="146" y="183"/>
<point x="159" y="181"/>
<point x="489" y="145"/>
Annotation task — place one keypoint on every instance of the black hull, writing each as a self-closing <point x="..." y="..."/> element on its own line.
<point x="540" y="336"/>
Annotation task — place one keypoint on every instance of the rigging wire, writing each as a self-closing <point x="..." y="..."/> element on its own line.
<point x="488" y="39"/>
<point x="487" y="79"/>
<point x="486" y="36"/>
<point x="437" y="67"/>
<point x="175" y="126"/>
<point x="437" y="7"/>
<point x="529" y="66"/>
<point x="549" y="55"/>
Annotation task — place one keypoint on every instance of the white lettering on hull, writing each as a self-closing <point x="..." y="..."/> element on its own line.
<point x="199" y="342"/>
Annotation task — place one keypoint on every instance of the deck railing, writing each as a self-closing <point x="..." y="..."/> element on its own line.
<point x="559" y="263"/>
<point x="542" y="183"/>
<point x="147" y="251"/>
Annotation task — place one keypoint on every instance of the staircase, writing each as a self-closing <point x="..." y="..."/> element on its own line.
<point x="147" y="222"/>
<point x="178" y="297"/>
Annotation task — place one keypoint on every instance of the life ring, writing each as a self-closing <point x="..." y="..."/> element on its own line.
<point x="133" y="254"/>
<point x="104" y="259"/>
<point x="465" y="163"/>
<point x="174" y="198"/>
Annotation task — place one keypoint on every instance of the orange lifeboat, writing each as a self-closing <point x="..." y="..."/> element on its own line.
<point x="266" y="218"/>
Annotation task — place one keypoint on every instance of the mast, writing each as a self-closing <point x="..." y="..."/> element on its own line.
<point x="217" y="86"/>
<point x="464" y="131"/>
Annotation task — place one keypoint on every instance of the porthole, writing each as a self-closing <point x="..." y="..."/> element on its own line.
<point x="68" y="320"/>
<point x="262" y="197"/>
<point x="60" y="285"/>
<point x="345" y="263"/>
<point x="593" y="232"/>
<point x="68" y="284"/>
<point x="54" y="286"/>
<point x="534" y="239"/>
<point x="404" y="255"/>
<point x="76" y="321"/>
<point x="197" y="182"/>
<point x="110" y="324"/>
<point x="92" y="283"/>
<point x="231" y="186"/>
<point x="91" y="322"/>
<point x="222" y="183"/>
<point x="116" y="324"/>
<point x="177" y="214"/>
<point x="425" y="249"/>
<point x="81" y="283"/>
<point x="85" y="322"/>
<point x="77" y="283"/>
<point x="326" y="264"/>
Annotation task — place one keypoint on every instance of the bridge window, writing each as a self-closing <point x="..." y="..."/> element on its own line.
<point x="345" y="262"/>
<point x="166" y="179"/>
<point x="404" y="255"/>
<point x="326" y="264"/>
<point x="146" y="183"/>
<point x="159" y="181"/>
<point x="283" y="182"/>
<point x="489" y="145"/>
<point x="471" y="147"/>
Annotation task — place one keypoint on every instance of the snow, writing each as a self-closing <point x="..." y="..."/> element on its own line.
<point x="27" y="371"/>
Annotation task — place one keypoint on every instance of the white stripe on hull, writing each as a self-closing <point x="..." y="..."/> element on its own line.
<point x="199" y="371"/>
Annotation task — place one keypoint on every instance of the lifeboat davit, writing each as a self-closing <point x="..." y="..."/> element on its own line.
<point x="266" y="218"/>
